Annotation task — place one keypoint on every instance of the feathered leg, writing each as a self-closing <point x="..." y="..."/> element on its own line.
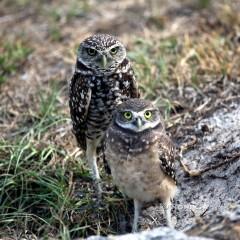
<point x="167" y="211"/>
<point x="137" y="209"/>
<point x="91" y="155"/>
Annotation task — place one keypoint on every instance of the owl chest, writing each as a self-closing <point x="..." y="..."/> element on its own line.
<point x="105" y="94"/>
<point x="137" y="173"/>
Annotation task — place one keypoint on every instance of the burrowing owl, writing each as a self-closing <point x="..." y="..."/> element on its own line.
<point x="141" y="155"/>
<point x="103" y="78"/>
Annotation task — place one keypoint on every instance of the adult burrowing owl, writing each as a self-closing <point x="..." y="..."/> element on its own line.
<point x="103" y="78"/>
<point x="141" y="155"/>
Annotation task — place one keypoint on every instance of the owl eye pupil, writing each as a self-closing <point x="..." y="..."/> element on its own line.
<point x="91" y="51"/>
<point x="114" y="50"/>
<point x="148" y="114"/>
<point x="127" y="115"/>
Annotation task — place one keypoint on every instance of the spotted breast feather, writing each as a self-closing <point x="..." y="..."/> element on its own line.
<point x="85" y="96"/>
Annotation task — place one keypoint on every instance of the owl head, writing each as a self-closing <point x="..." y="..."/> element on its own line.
<point x="137" y="115"/>
<point x="102" y="53"/>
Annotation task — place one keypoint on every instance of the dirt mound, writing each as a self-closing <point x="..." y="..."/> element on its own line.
<point x="210" y="183"/>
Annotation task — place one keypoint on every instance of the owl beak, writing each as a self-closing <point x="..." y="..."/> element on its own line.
<point x="139" y="122"/>
<point x="104" y="61"/>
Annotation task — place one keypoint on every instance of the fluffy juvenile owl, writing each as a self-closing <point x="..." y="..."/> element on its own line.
<point x="103" y="78"/>
<point x="141" y="155"/>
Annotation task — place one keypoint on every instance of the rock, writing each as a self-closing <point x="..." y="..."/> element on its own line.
<point x="225" y="226"/>
<point x="163" y="233"/>
<point x="217" y="156"/>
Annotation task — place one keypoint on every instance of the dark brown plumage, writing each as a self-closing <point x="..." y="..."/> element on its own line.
<point x="103" y="78"/>
<point x="91" y="97"/>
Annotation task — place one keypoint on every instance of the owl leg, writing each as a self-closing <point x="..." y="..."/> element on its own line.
<point x="91" y="155"/>
<point x="137" y="209"/>
<point x="167" y="210"/>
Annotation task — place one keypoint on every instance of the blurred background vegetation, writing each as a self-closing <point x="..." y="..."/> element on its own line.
<point x="181" y="51"/>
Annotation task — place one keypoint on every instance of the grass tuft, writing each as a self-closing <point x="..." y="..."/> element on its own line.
<point x="44" y="190"/>
<point x="12" y="56"/>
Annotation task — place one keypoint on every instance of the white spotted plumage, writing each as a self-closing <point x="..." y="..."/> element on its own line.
<point x="95" y="90"/>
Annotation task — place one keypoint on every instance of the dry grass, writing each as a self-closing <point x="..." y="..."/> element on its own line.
<point x="45" y="186"/>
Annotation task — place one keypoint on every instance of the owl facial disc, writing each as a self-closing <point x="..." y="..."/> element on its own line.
<point x="138" y="121"/>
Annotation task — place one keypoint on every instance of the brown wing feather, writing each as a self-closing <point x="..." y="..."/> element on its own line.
<point x="129" y="84"/>
<point x="167" y="157"/>
<point x="79" y="99"/>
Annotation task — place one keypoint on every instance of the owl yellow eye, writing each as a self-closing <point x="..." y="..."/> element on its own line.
<point x="148" y="115"/>
<point x="127" y="115"/>
<point x="91" y="51"/>
<point x="114" y="50"/>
